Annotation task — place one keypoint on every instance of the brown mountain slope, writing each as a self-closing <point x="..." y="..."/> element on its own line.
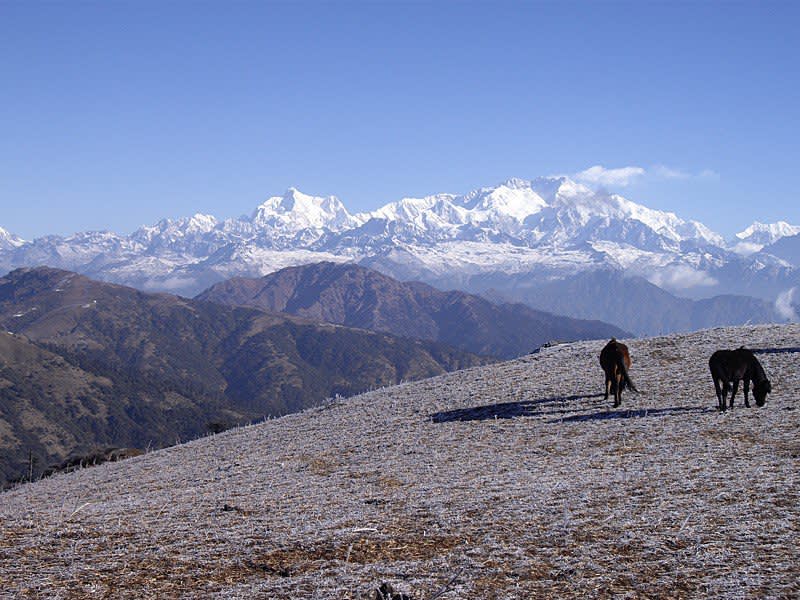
<point x="170" y="366"/>
<point x="51" y="408"/>
<point x="508" y="481"/>
<point x="358" y="297"/>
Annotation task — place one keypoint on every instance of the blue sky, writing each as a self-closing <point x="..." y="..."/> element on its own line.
<point x="115" y="114"/>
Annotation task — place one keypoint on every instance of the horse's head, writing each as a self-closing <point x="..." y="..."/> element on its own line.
<point x="760" y="391"/>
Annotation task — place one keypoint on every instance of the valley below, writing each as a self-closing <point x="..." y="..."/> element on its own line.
<point x="510" y="480"/>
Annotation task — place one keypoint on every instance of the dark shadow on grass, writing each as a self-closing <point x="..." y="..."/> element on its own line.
<point x="636" y="414"/>
<point x="775" y="350"/>
<point x="510" y="410"/>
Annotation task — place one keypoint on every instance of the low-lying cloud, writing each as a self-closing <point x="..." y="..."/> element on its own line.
<point x="785" y="304"/>
<point x="681" y="277"/>
<point x="169" y="283"/>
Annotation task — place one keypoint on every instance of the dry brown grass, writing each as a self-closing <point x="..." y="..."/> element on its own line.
<point x="504" y="482"/>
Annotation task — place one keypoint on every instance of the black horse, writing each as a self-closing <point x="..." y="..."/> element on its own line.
<point x="729" y="367"/>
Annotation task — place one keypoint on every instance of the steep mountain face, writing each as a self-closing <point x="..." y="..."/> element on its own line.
<point x="519" y="232"/>
<point x="359" y="297"/>
<point x="87" y="363"/>
<point x="53" y="405"/>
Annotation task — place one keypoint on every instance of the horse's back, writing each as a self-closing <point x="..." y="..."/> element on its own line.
<point x="731" y="364"/>
<point x="611" y="353"/>
<point x="608" y="354"/>
<point x="718" y="359"/>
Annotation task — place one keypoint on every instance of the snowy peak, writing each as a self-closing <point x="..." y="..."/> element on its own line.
<point x="295" y="211"/>
<point x="768" y="232"/>
<point x="197" y="224"/>
<point x="9" y="241"/>
<point x="560" y="188"/>
<point x="514" y="199"/>
<point x="177" y="234"/>
<point x="573" y="211"/>
<point x="758" y="235"/>
<point x="412" y="209"/>
<point x="200" y="223"/>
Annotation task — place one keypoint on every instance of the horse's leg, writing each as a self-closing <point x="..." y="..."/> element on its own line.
<point x="735" y="389"/>
<point x="746" y="390"/>
<point x="720" y="397"/>
<point x="608" y="386"/>
<point x="726" y="388"/>
<point x="618" y="390"/>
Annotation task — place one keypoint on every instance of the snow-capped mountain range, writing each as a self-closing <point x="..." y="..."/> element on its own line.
<point x="516" y="234"/>
<point x="758" y="235"/>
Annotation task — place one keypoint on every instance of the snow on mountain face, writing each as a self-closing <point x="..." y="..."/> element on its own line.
<point x="9" y="240"/>
<point x="547" y="227"/>
<point x="576" y="206"/>
<point x="199" y="224"/>
<point x="514" y="200"/>
<point x="556" y="212"/>
<point x="758" y="235"/>
<point x="295" y="211"/>
<point x="768" y="233"/>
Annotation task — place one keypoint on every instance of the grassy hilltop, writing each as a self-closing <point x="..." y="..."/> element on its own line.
<point x="513" y="480"/>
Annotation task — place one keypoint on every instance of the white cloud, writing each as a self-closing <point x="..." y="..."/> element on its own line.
<point x="599" y="175"/>
<point x="747" y="248"/>
<point x="680" y="278"/>
<point x="785" y="306"/>
<point x="665" y="172"/>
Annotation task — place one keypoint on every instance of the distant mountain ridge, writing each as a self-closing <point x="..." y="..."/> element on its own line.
<point x="358" y="297"/>
<point x="85" y="363"/>
<point x="517" y="233"/>
<point x="639" y="306"/>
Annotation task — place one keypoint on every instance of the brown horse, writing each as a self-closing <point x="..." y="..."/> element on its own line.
<point x="729" y="367"/>
<point x="615" y="361"/>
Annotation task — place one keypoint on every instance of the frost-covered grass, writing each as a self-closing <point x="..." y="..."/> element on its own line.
<point x="510" y="481"/>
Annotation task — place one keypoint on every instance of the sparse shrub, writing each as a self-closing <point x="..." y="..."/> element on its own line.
<point x="215" y="427"/>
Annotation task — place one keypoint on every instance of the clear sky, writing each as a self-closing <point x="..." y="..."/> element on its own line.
<point x="115" y="114"/>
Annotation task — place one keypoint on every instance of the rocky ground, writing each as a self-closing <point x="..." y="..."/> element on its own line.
<point x="510" y="481"/>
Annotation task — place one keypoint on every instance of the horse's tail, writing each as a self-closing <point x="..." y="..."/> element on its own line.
<point x="624" y="370"/>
